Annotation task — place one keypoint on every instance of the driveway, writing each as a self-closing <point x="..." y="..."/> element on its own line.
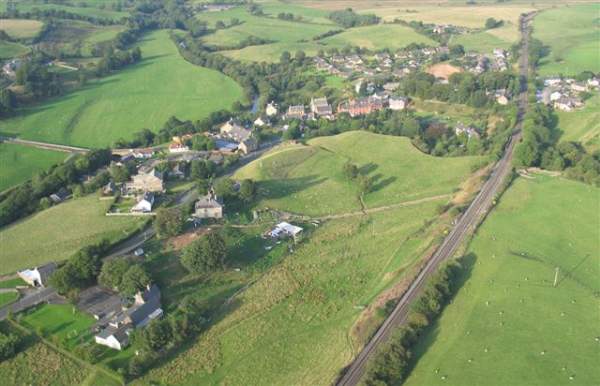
<point x="30" y="299"/>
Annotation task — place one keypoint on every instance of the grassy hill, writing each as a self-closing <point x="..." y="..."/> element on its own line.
<point x="19" y="163"/>
<point x="378" y="37"/>
<point x="572" y="33"/>
<point x="20" y="28"/>
<point x="143" y="95"/>
<point x="92" y="8"/>
<point x="582" y="125"/>
<point x="310" y="180"/>
<point x="56" y="233"/>
<point x="9" y="50"/>
<point x="508" y="324"/>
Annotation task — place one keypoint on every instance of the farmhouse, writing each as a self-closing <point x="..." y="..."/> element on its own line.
<point x="59" y="196"/>
<point x="144" y="205"/>
<point x="360" y="106"/>
<point x="398" y="103"/>
<point x="295" y="112"/>
<point x="284" y="229"/>
<point x="234" y="130"/>
<point x="208" y="206"/>
<point x="142" y="153"/>
<point x="37" y="277"/>
<point x="320" y="107"/>
<point x="151" y="181"/>
<point x="146" y="307"/>
<point x="178" y="148"/>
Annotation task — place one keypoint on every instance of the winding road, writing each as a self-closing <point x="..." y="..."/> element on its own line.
<point x="467" y="223"/>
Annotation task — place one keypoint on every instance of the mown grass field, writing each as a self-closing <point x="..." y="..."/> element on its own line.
<point x="310" y="179"/>
<point x="378" y="37"/>
<point x="144" y="95"/>
<point x="20" y="28"/>
<point x="9" y="50"/>
<point x="572" y="33"/>
<point x="62" y="322"/>
<point x="293" y="325"/>
<point x="19" y="163"/>
<point x="93" y="11"/>
<point x="508" y="324"/>
<point x="582" y="125"/>
<point x="56" y="233"/>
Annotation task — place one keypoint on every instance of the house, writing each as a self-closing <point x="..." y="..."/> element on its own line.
<point x="470" y="132"/>
<point x="567" y="103"/>
<point x="234" y="130"/>
<point x="593" y="83"/>
<point x="578" y="87"/>
<point x="360" y="106"/>
<point x="144" y="205"/>
<point x="398" y="103"/>
<point x="271" y="109"/>
<point x="146" y="307"/>
<point x="177" y="147"/>
<point x="208" y="206"/>
<point x="552" y="81"/>
<point x="284" y="229"/>
<point x="259" y="122"/>
<point x="109" y="189"/>
<point x="295" y="112"/>
<point x="37" y="277"/>
<point x="248" y="145"/>
<point x="502" y="99"/>
<point x="142" y="153"/>
<point x="216" y="158"/>
<point x="320" y="107"/>
<point x="60" y="196"/>
<point x="226" y="146"/>
<point x="391" y="86"/>
<point x="151" y="181"/>
<point x="556" y="95"/>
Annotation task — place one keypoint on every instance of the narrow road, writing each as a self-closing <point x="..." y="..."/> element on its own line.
<point x="45" y="145"/>
<point x="467" y="223"/>
<point x="29" y="300"/>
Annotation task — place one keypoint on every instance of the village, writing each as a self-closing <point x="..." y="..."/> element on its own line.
<point x="566" y="94"/>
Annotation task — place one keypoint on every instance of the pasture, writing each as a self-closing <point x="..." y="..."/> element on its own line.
<point x="582" y="125"/>
<point x="21" y="28"/>
<point x="572" y="34"/>
<point x="292" y="326"/>
<point x="56" y="233"/>
<point x="143" y="95"/>
<point x="19" y="163"/>
<point x="78" y="37"/>
<point x="8" y="297"/>
<point x="509" y="304"/>
<point x="310" y="179"/>
<point x="376" y="37"/>
<point x="9" y="50"/>
<point x="92" y="11"/>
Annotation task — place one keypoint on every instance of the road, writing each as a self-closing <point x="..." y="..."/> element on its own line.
<point x="39" y="295"/>
<point x="467" y="223"/>
<point x="45" y="145"/>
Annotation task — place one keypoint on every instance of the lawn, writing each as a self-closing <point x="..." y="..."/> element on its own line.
<point x="310" y="180"/>
<point x="572" y="33"/>
<point x="21" y="28"/>
<point x="12" y="283"/>
<point x="582" y="125"/>
<point x="7" y="298"/>
<point x="19" y="163"/>
<point x="9" y="50"/>
<point x="143" y="95"/>
<point x="107" y="13"/>
<point x="60" y="322"/>
<point x="56" y="233"/>
<point x="509" y="304"/>
<point x="292" y="326"/>
<point x="376" y="37"/>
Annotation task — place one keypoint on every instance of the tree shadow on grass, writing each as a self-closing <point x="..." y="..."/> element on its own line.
<point x="279" y="188"/>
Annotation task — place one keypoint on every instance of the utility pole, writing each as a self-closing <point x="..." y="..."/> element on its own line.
<point x="556" y="276"/>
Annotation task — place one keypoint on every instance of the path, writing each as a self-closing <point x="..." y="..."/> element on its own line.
<point x="45" y="145"/>
<point x="467" y="223"/>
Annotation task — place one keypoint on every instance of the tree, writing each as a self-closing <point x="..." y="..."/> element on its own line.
<point x="112" y="272"/>
<point x="225" y="188"/>
<point x="8" y="345"/>
<point x="206" y="254"/>
<point x="365" y="184"/>
<point x="219" y="24"/>
<point x="247" y="190"/>
<point x="492" y="23"/>
<point x="350" y="170"/>
<point x="300" y="56"/>
<point x="285" y="57"/>
<point x="135" y="279"/>
<point x="169" y="222"/>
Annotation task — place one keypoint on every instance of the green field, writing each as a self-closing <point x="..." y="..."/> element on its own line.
<point x="56" y="233"/>
<point x="21" y="28"/>
<point x="310" y="180"/>
<point x="142" y="95"/>
<point x="7" y="298"/>
<point x="573" y="35"/>
<point x="293" y="326"/>
<point x="19" y="163"/>
<point x="486" y="41"/>
<point x="582" y="125"/>
<point x="376" y="37"/>
<point x="60" y="322"/>
<point x="107" y="13"/>
<point x="508" y="324"/>
<point x="74" y="35"/>
<point x="12" y="283"/>
<point x="9" y="50"/>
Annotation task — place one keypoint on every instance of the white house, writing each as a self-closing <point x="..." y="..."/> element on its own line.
<point x="284" y="229"/>
<point x="556" y="95"/>
<point x="37" y="277"/>
<point x="115" y="338"/>
<point x="259" y="122"/>
<point x="398" y="103"/>
<point x="144" y="205"/>
<point x="271" y="109"/>
<point x="178" y="148"/>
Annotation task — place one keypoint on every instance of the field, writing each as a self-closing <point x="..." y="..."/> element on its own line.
<point x="56" y="233"/>
<point x="582" y="125"/>
<point x="24" y="162"/>
<point x="107" y="13"/>
<point x="486" y="41"/>
<point x="293" y="325"/>
<point x="378" y="37"/>
<point x="7" y="298"/>
<point x="21" y="28"/>
<point x="509" y="303"/>
<point x="310" y="180"/>
<point x="9" y="50"/>
<point x="60" y="322"/>
<point x="572" y="33"/>
<point x="144" y="95"/>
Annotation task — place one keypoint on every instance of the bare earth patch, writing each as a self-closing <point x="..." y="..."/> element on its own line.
<point x="443" y="70"/>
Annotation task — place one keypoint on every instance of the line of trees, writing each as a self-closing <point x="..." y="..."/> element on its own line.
<point x="347" y="18"/>
<point x="392" y="363"/>
<point x="32" y="195"/>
